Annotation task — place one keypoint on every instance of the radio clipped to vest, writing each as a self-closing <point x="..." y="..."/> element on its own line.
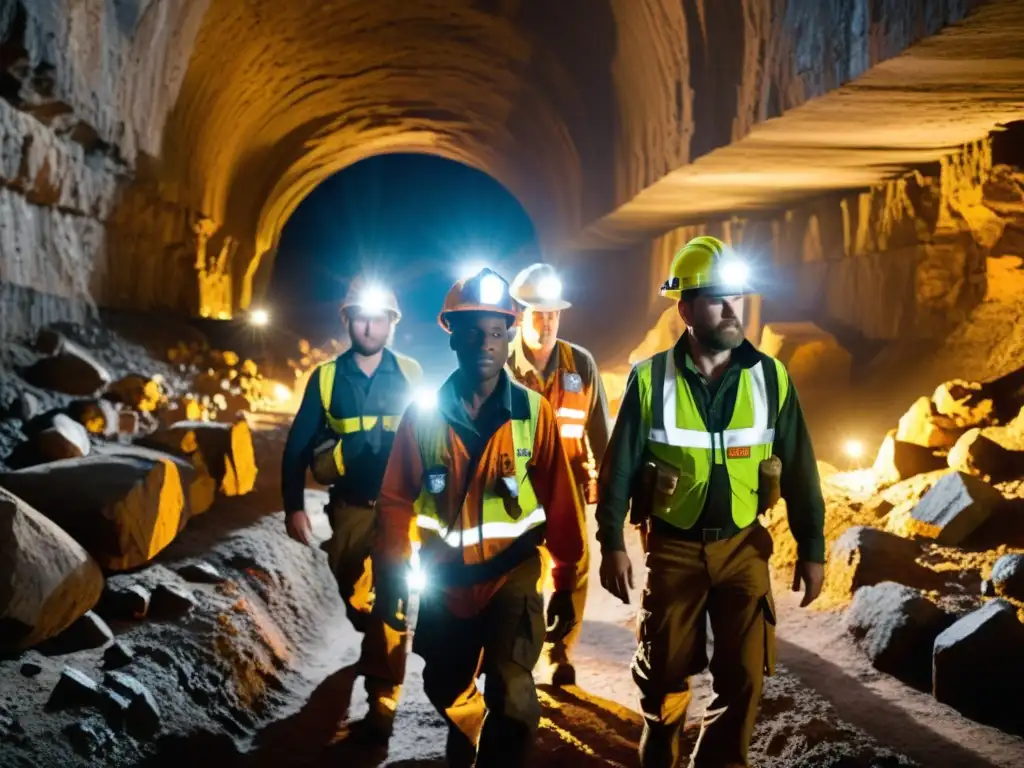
<point x="656" y="485"/>
<point x="328" y="464"/>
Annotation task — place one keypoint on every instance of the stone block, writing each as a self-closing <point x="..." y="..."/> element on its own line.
<point x="71" y="370"/>
<point x="1008" y="576"/>
<point x="956" y="506"/>
<point x="898" y="460"/>
<point x="977" y="455"/>
<point x="865" y="556"/>
<point x="920" y="427"/>
<point x="64" y="439"/>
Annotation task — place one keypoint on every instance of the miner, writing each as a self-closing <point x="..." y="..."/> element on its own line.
<point x="698" y="426"/>
<point x="474" y="488"/>
<point x="567" y="376"/>
<point x="344" y="430"/>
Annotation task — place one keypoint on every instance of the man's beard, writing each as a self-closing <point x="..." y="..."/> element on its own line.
<point x="727" y="335"/>
<point x="367" y="348"/>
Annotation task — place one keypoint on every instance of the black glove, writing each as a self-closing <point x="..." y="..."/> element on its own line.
<point x="391" y="599"/>
<point x="561" y="616"/>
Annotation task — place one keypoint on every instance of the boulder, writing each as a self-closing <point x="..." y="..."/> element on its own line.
<point x="953" y="508"/>
<point x="49" y="341"/>
<point x="865" y="556"/>
<point x="963" y="402"/>
<point x="977" y="455"/>
<point x="90" y="631"/>
<point x="898" y="460"/>
<point x="135" y="391"/>
<point x="896" y="627"/>
<point x="74" y="689"/>
<point x="812" y="356"/>
<point x="121" y="602"/>
<point x="170" y="601"/>
<point x="71" y="370"/>
<point x="99" y="417"/>
<point x="27" y="406"/>
<point x="920" y="426"/>
<point x="143" y="716"/>
<point x="226" y="449"/>
<point x="117" y="655"/>
<point x="200" y="488"/>
<point x="47" y="580"/>
<point x="976" y="662"/>
<point x="123" y="510"/>
<point x="65" y="439"/>
<point x="1008" y="576"/>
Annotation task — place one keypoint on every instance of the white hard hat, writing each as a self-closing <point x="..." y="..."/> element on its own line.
<point x="538" y="287"/>
<point x="372" y="298"/>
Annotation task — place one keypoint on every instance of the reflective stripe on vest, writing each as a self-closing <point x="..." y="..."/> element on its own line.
<point x="494" y="522"/>
<point x="678" y="437"/>
<point x="349" y="425"/>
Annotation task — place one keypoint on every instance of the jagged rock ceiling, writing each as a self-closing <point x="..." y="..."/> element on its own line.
<point x="915" y="108"/>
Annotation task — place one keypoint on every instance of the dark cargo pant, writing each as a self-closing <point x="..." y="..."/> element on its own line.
<point x="687" y="582"/>
<point x="504" y="643"/>
<point x="382" y="655"/>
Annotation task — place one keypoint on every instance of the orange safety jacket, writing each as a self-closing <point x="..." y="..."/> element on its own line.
<point x="579" y="403"/>
<point x="476" y="551"/>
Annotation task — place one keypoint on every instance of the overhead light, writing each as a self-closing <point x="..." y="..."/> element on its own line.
<point x="854" y="449"/>
<point x="550" y="288"/>
<point x="281" y="393"/>
<point x="492" y="289"/>
<point x="259" y="317"/>
<point x="734" y="273"/>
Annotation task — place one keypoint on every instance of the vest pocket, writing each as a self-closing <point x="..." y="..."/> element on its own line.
<point x="768" y="613"/>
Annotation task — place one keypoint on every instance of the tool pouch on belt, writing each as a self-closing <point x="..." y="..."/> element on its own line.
<point x="769" y="489"/>
<point x="508" y="491"/>
<point x="643" y="494"/>
<point x="326" y="461"/>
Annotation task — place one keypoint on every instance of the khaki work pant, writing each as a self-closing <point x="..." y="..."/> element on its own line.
<point x="555" y="654"/>
<point x="503" y="642"/>
<point x="382" y="655"/>
<point x="688" y="582"/>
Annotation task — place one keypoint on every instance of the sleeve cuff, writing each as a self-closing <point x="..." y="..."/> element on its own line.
<point x="811" y="551"/>
<point x="613" y="541"/>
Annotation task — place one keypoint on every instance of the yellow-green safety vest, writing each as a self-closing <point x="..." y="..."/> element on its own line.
<point x="495" y="522"/>
<point x="677" y="435"/>
<point x="409" y="368"/>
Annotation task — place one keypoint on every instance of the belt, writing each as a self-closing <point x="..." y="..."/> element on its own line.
<point x="703" y="535"/>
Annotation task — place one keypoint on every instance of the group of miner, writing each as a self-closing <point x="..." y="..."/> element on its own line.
<point x="475" y="499"/>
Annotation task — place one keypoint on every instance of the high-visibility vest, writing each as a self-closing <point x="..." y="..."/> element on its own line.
<point x="678" y="436"/>
<point x="492" y="522"/>
<point x="571" y="398"/>
<point x="363" y="422"/>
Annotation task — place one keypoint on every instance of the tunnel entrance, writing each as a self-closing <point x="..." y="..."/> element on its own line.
<point x="414" y="221"/>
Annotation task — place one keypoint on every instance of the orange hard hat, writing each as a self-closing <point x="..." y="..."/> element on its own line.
<point x="486" y="291"/>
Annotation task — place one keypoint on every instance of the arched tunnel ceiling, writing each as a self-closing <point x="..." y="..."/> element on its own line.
<point x="945" y="91"/>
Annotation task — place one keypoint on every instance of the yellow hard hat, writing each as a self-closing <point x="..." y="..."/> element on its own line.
<point x="372" y="298"/>
<point x="486" y="291"/>
<point x="706" y="263"/>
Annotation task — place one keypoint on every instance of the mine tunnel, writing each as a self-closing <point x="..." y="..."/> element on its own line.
<point x="190" y="191"/>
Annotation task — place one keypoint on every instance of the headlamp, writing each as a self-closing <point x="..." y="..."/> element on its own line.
<point x="373" y="300"/>
<point x="425" y="398"/>
<point x="734" y="273"/>
<point x="550" y="288"/>
<point x="492" y="289"/>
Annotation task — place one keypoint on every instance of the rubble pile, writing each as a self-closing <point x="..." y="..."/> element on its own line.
<point x="96" y="473"/>
<point x="926" y="547"/>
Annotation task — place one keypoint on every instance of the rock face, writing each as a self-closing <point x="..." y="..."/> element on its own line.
<point x="977" y="662"/>
<point x="812" y="356"/>
<point x="896" y="627"/>
<point x="865" y="556"/>
<point x="47" y="580"/>
<point x="122" y="510"/>
<point x="956" y="506"/>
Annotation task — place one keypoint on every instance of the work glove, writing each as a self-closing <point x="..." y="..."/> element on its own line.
<point x="561" y="617"/>
<point x="391" y="598"/>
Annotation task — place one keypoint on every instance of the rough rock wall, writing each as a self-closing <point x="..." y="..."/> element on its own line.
<point x="84" y="87"/>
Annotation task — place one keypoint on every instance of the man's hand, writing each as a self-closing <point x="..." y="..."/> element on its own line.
<point x="617" y="574"/>
<point x="391" y="597"/>
<point x="812" y="575"/>
<point x="562" y="616"/>
<point x="299" y="528"/>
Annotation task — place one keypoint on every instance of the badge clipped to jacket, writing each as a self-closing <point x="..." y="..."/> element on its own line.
<point x="436" y="480"/>
<point x="508" y="490"/>
<point x="572" y="382"/>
